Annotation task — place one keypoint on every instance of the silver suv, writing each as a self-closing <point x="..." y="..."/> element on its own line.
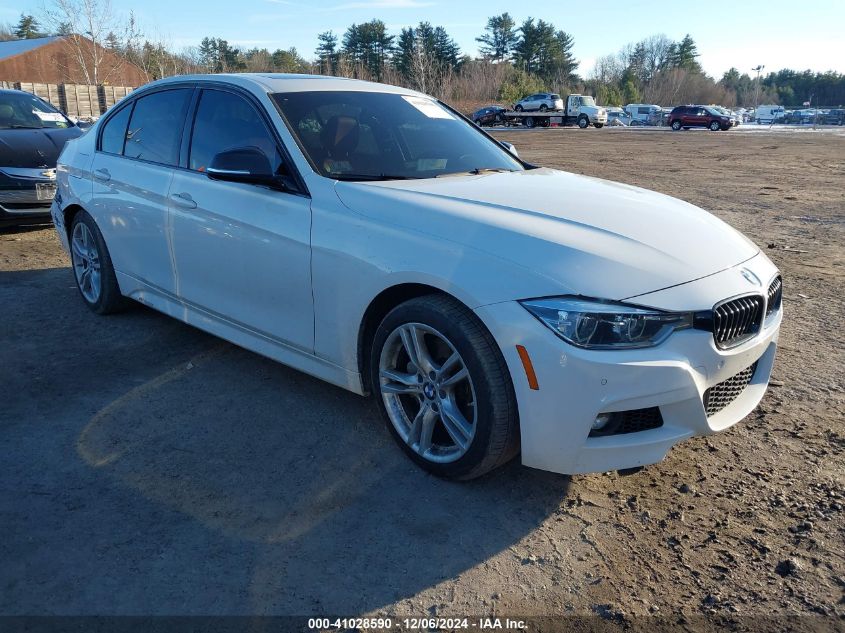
<point x="541" y="101"/>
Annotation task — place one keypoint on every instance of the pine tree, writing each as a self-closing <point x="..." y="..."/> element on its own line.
<point x="27" y="28"/>
<point x="368" y="46"/>
<point x="112" y="42"/>
<point x="500" y="38"/>
<point x="684" y="55"/>
<point x="327" y="52"/>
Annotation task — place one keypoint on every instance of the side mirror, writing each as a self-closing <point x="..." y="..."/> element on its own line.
<point x="510" y="148"/>
<point x="246" y="164"/>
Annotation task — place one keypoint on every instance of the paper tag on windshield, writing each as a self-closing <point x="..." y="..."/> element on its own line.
<point x="431" y="109"/>
<point x="48" y="116"/>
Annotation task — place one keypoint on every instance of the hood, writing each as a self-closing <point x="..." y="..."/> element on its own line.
<point x="34" y="148"/>
<point x="585" y="235"/>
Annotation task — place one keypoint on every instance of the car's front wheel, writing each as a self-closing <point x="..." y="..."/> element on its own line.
<point x="444" y="388"/>
<point x="92" y="267"/>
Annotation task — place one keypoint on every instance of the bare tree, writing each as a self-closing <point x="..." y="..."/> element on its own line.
<point x="7" y="32"/>
<point x="89" y="26"/>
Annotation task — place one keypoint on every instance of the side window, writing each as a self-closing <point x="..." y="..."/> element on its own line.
<point x="156" y="125"/>
<point x="227" y="121"/>
<point x="114" y="132"/>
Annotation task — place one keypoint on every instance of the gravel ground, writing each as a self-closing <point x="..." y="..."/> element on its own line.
<point x="149" y="468"/>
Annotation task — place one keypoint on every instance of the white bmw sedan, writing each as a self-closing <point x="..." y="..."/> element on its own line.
<point x="373" y="237"/>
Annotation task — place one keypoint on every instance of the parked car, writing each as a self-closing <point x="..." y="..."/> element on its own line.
<point x="690" y="116"/>
<point x="644" y="113"/>
<point x="32" y="133"/>
<point x="372" y="237"/>
<point x="618" y="116"/>
<point x="735" y="119"/>
<point x="833" y="117"/>
<point x="541" y="101"/>
<point x="491" y="115"/>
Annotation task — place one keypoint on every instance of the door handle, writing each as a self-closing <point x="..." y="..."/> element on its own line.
<point x="102" y="174"/>
<point x="183" y="200"/>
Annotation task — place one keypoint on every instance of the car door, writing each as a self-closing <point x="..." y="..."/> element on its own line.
<point x="132" y="169"/>
<point x="700" y="118"/>
<point x="242" y="251"/>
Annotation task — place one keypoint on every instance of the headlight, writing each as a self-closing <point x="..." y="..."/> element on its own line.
<point x="595" y="324"/>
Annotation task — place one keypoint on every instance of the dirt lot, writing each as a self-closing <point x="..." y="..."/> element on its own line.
<point x="151" y="469"/>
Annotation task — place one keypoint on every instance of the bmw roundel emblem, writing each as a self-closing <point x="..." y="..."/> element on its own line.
<point x="750" y="277"/>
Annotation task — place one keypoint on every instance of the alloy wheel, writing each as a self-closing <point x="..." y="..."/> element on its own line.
<point x="428" y="392"/>
<point x="86" y="262"/>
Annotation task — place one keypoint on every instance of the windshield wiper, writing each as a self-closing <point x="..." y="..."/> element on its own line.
<point x="477" y="171"/>
<point x="373" y="177"/>
<point x="24" y="127"/>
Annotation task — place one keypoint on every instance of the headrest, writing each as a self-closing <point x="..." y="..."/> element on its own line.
<point x="340" y="136"/>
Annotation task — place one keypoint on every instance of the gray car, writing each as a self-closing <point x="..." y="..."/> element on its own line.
<point x="541" y="101"/>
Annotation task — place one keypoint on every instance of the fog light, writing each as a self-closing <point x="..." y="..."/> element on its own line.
<point x="601" y="421"/>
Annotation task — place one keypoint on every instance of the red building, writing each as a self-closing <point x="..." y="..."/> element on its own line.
<point x="64" y="59"/>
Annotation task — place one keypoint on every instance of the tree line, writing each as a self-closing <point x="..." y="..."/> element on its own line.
<point x="515" y="59"/>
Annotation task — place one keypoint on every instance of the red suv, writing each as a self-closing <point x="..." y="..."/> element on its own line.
<point x="698" y="116"/>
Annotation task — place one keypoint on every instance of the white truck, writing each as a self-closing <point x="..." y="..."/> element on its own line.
<point x="580" y="110"/>
<point x="768" y="113"/>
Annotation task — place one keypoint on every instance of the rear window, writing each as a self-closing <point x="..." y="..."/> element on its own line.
<point x="555" y="97"/>
<point x="114" y="132"/>
<point x="155" y="129"/>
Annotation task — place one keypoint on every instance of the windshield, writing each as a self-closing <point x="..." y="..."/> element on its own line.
<point x="715" y="112"/>
<point x="384" y="136"/>
<point x="21" y="110"/>
<point x="588" y="101"/>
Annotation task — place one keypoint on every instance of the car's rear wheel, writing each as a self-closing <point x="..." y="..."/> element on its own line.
<point x="715" y="126"/>
<point x="444" y="388"/>
<point x="676" y="125"/>
<point x="92" y="266"/>
<point x="529" y="122"/>
<point x="543" y="107"/>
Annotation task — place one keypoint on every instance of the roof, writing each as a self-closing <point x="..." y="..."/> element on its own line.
<point x="18" y="47"/>
<point x="279" y="82"/>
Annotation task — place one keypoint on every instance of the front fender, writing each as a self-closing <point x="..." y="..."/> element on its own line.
<point x="355" y="258"/>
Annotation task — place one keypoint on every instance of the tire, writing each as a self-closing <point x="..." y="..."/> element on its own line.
<point x="92" y="267"/>
<point x="583" y="122"/>
<point x="544" y="107"/>
<point x="676" y="125"/>
<point x="517" y="108"/>
<point x="715" y="126"/>
<point x="444" y="328"/>
<point x="528" y="122"/>
<point x="598" y="126"/>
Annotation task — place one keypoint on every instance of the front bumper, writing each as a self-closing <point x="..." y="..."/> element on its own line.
<point x="576" y="385"/>
<point x="23" y="201"/>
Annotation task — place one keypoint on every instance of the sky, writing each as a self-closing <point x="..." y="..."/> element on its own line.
<point x="738" y="33"/>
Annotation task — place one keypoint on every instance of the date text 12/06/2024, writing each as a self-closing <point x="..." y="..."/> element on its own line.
<point x="415" y="624"/>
